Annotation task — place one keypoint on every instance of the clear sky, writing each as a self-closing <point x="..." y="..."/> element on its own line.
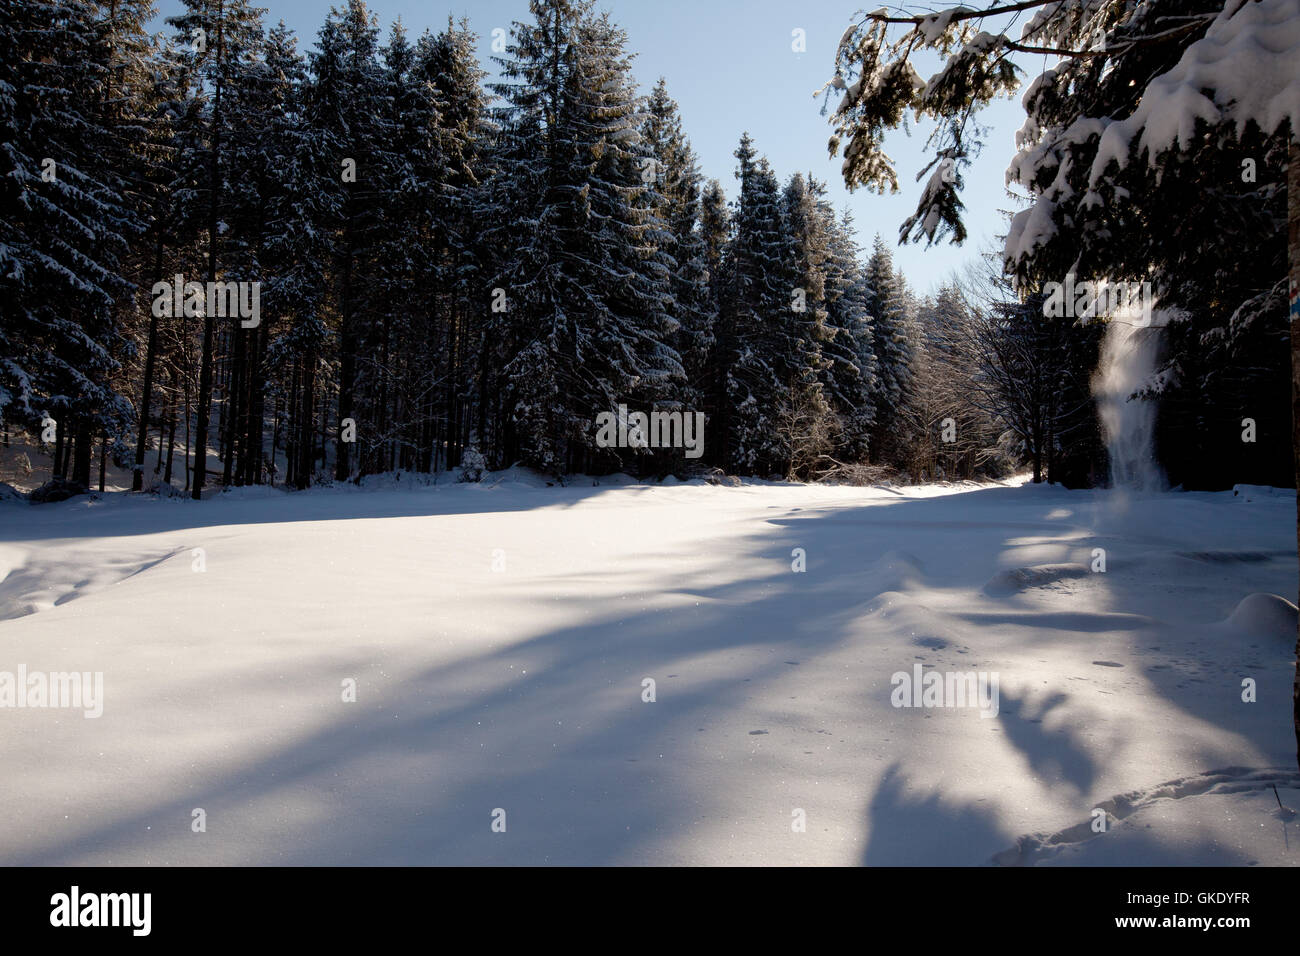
<point x="731" y="67"/>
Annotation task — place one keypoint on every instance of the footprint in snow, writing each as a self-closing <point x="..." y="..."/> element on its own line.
<point x="755" y="733"/>
<point x="1107" y="664"/>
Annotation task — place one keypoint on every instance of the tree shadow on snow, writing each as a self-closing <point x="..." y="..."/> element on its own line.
<point x="586" y="771"/>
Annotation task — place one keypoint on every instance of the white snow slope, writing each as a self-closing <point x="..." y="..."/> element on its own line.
<point x="521" y="689"/>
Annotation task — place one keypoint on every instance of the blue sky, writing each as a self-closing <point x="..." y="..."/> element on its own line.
<point x="730" y="66"/>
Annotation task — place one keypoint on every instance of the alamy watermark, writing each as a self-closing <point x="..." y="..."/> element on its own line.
<point x="1088" y="300"/>
<point x="65" y="689"/>
<point x="218" y="299"/>
<point x="622" y="429"/>
<point x="129" y="910"/>
<point x="950" y="689"/>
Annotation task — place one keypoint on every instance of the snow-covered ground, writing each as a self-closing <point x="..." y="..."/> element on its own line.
<point x="500" y="635"/>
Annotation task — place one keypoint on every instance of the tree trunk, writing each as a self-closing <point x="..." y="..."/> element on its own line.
<point x="56" y="466"/>
<point x="81" y="451"/>
<point x="162" y="441"/>
<point x="234" y="406"/>
<point x="306" y="443"/>
<point x="453" y="379"/>
<point x="323" y="453"/>
<point x="188" y="446"/>
<point x="275" y="442"/>
<point x="347" y="367"/>
<point x="171" y="427"/>
<point x="150" y="358"/>
<point x="1293" y="250"/>
<point x="256" y="407"/>
<point x="200" y="447"/>
<point x="482" y="435"/>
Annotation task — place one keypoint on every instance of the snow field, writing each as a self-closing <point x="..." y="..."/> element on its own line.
<point x="522" y="688"/>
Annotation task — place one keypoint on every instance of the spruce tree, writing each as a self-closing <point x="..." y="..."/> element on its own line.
<point x="67" y="218"/>
<point x="893" y="348"/>
<point x="448" y="61"/>
<point x="589" y="323"/>
<point x="715" y="233"/>
<point x="217" y="42"/>
<point x="674" y="176"/>
<point x="303" y="203"/>
<point x="772" y="328"/>
<point x="850" y="374"/>
<point x="345" y="105"/>
<point x="810" y="425"/>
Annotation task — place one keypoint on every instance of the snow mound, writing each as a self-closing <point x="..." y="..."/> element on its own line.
<point x="1221" y="817"/>
<point x="8" y="493"/>
<point x="251" y="492"/>
<point x="516" y="476"/>
<point x="1230" y="557"/>
<point x="1264" y="614"/>
<point x="164" y="489"/>
<point x="397" y="481"/>
<point x="1012" y="580"/>
<point x="57" y="489"/>
<point x="895" y="571"/>
<point x="1251" y="492"/>
<point x="30" y="583"/>
<point x="617" y="480"/>
<point x="10" y="559"/>
<point x="915" y="624"/>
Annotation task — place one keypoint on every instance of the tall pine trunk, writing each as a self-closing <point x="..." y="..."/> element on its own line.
<point x="188" y="445"/>
<point x="306" y="443"/>
<point x="171" y="425"/>
<point x="234" y="406"/>
<point x="347" y="367"/>
<point x="150" y="359"/>
<point x="56" y="470"/>
<point x="1293" y="250"/>
<point x="200" y="447"/>
<point x="81" y="452"/>
<point x="253" y="436"/>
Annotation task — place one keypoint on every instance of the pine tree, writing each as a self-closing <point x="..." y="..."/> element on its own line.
<point x="850" y="375"/>
<point x="893" y="348"/>
<point x="66" y="219"/>
<point x="715" y="233"/>
<point x="765" y="359"/>
<point x="812" y="428"/>
<point x="217" y="43"/>
<point x="404" y="294"/>
<point x="165" y="108"/>
<point x="448" y="62"/>
<point x="345" y="105"/>
<point x="302" y="204"/>
<point x="675" y="200"/>
<point x="589" y="323"/>
<point x="265" y="115"/>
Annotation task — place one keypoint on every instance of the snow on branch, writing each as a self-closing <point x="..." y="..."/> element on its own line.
<point x="1244" y="70"/>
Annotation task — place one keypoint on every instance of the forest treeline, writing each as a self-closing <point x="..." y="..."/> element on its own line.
<point x="365" y="257"/>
